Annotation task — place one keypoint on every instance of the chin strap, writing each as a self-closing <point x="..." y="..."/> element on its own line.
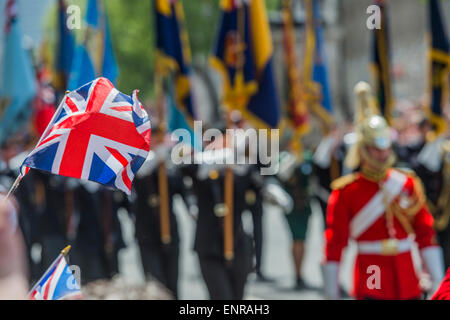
<point x="434" y="264"/>
<point x="372" y="169"/>
<point x="330" y="272"/>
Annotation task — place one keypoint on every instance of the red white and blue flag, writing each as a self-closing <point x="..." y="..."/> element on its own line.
<point x="57" y="283"/>
<point x="97" y="134"/>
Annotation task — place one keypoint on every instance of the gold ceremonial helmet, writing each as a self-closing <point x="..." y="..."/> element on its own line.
<point x="371" y="128"/>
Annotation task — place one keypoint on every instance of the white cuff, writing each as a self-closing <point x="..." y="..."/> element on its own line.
<point x="276" y="194"/>
<point x="434" y="264"/>
<point x="162" y="153"/>
<point x="330" y="272"/>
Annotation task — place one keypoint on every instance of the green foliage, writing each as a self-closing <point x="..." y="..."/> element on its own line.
<point x="202" y="19"/>
<point x="131" y="23"/>
<point x="273" y="5"/>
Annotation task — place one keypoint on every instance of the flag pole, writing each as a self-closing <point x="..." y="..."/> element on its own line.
<point x="228" y="241"/>
<point x="12" y="189"/>
<point x="163" y="188"/>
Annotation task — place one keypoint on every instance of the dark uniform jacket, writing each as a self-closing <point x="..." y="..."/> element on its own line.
<point x="147" y="205"/>
<point x="209" y="238"/>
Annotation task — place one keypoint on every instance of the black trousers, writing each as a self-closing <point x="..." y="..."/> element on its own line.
<point x="444" y="241"/>
<point x="225" y="281"/>
<point x="257" y="218"/>
<point x="323" y="207"/>
<point x="161" y="262"/>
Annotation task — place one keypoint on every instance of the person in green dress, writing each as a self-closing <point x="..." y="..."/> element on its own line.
<point x="297" y="184"/>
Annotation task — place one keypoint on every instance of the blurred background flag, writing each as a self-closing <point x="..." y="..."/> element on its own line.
<point x="18" y="84"/>
<point x="380" y="64"/>
<point x="57" y="283"/>
<point x="439" y="57"/>
<point x="173" y="59"/>
<point x="324" y="107"/>
<point x="243" y="56"/>
<point x="176" y="119"/>
<point x="65" y="50"/>
<point x="95" y="56"/>
<point x="296" y="110"/>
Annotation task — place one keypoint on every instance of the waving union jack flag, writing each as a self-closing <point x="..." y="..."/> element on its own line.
<point x="97" y="134"/>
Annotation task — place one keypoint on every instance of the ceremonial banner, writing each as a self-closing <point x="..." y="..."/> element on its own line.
<point x="173" y="54"/>
<point x="18" y="83"/>
<point x="95" y="56"/>
<point x="65" y="49"/>
<point x="439" y="57"/>
<point x="324" y="107"/>
<point x="296" y="111"/>
<point x="380" y="65"/>
<point x="243" y="56"/>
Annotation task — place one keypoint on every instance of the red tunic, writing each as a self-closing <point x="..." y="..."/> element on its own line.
<point x="398" y="278"/>
<point x="443" y="292"/>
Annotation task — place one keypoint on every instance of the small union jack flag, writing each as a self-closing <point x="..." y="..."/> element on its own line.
<point x="57" y="283"/>
<point x="97" y="134"/>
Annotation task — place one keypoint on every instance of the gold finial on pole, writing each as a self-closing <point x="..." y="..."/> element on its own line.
<point x="65" y="251"/>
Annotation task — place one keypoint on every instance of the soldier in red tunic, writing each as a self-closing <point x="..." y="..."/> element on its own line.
<point x="382" y="209"/>
<point x="443" y="292"/>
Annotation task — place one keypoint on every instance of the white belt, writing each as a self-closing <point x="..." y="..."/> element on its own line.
<point x="386" y="247"/>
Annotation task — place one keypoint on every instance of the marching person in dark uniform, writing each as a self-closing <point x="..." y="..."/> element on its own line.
<point x="95" y="230"/>
<point x="88" y="243"/>
<point x="437" y="189"/>
<point x="225" y="278"/>
<point x="254" y="201"/>
<point x="50" y="204"/>
<point x="328" y="164"/>
<point x="431" y="161"/>
<point x="411" y="140"/>
<point x="111" y="202"/>
<point x="159" y="251"/>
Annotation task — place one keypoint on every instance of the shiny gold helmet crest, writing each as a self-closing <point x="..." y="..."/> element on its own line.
<point x="371" y="128"/>
<point x="375" y="132"/>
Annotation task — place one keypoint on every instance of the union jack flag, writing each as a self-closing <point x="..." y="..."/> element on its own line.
<point x="97" y="134"/>
<point x="57" y="283"/>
